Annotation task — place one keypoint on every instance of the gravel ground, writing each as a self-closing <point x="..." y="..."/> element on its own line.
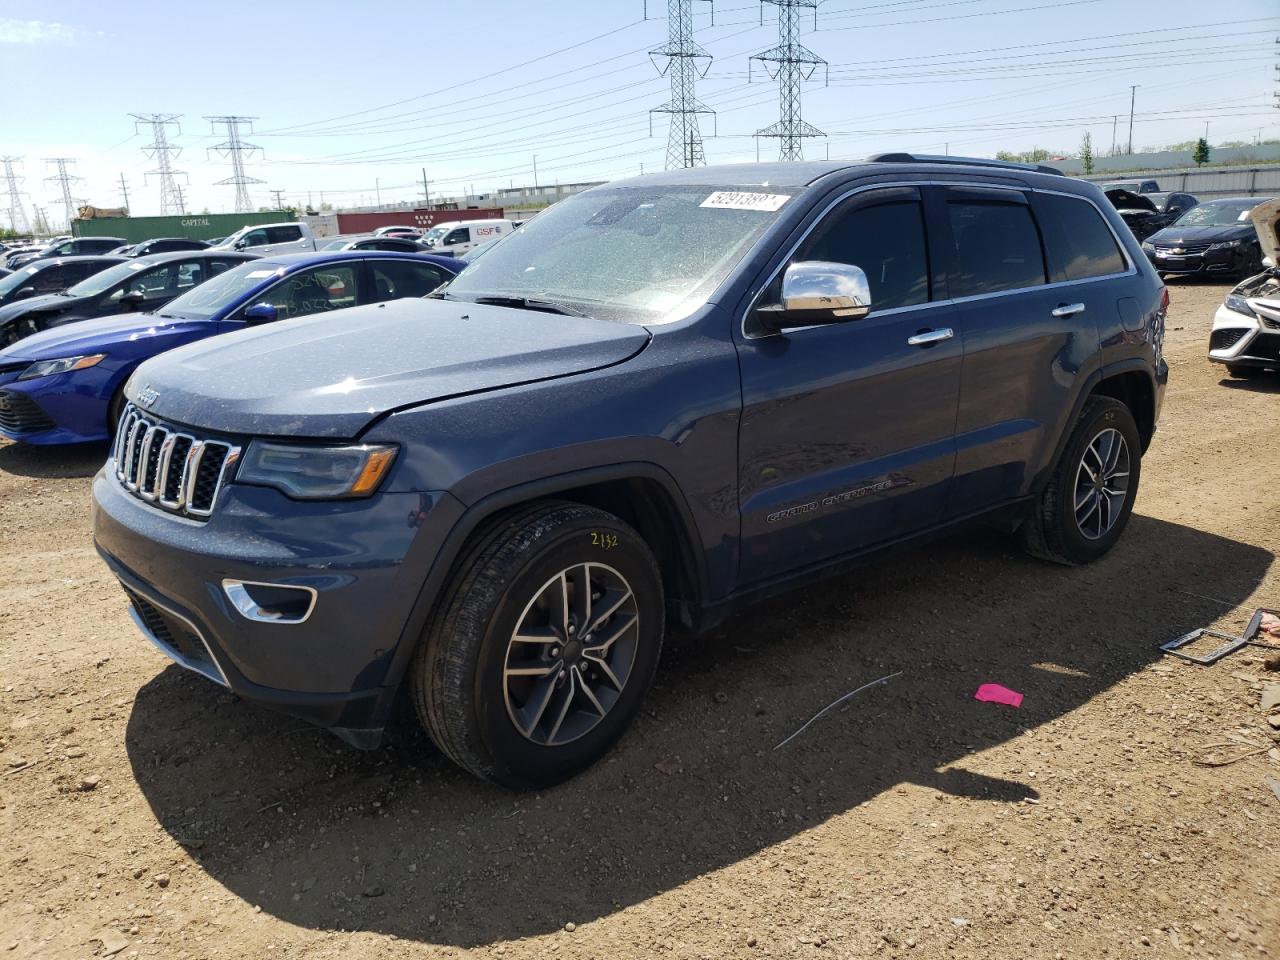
<point x="144" y="811"/>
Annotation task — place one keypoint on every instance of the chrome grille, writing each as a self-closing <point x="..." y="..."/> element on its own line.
<point x="174" y="470"/>
<point x="1186" y="249"/>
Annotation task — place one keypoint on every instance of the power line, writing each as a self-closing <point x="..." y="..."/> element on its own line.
<point x="17" y="215"/>
<point x="163" y="153"/>
<point x="235" y="148"/>
<point x="684" y="54"/>
<point x="794" y="63"/>
<point x="64" y="179"/>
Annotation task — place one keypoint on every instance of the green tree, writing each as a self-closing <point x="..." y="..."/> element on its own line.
<point x="1086" y="153"/>
<point x="1201" y="156"/>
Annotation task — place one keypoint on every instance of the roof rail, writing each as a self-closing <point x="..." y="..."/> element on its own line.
<point x="964" y="161"/>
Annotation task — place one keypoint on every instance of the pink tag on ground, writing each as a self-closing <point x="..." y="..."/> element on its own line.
<point x="994" y="693"/>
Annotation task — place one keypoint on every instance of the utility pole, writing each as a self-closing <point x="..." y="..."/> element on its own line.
<point x="1133" y="93"/>
<point x="41" y="225"/>
<point x="377" y="189"/>
<point x="124" y="191"/>
<point x="686" y="62"/>
<point x="1115" y="117"/>
<point x="1206" y="131"/>
<point x="236" y="149"/>
<point x="17" y="216"/>
<point x="161" y="152"/>
<point x="794" y="63"/>
<point x="279" y="195"/>
<point x="65" y="180"/>
<point x="535" y="173"/>
<point x="426" y="192"/>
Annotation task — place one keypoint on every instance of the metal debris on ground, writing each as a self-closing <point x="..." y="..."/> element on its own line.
<point x="1274" y="784"/>
<point x="1211" y="758"/>
<point x="1213" y="656"/>
<point x="835" y="703"/>
<point x="1264" y="628"/>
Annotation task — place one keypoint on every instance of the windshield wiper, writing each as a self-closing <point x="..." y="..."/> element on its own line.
<point x="531" y="303"/>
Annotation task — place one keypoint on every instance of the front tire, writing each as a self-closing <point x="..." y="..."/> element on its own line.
<point x="542" y="646"/>
<point x="1085" y="507"/>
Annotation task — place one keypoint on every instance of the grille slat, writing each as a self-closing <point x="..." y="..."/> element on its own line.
<point x="1188" y="249"/>
<point x="1226" y="338"/>
<point x="174" y="470"/>
<point x="20" y="414"/>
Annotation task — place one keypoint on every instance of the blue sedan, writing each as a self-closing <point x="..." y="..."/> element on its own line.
<point x="65" y="385"/>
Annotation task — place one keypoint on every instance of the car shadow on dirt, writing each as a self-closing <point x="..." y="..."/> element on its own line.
<point x="52" y="463"/>
<point x="1268" y="383"/>
<point x="399" y="841"/>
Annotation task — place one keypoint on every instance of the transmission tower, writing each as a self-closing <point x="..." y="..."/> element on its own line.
<point x="161" y="151"/>
<point x="686" y="62"/>
<point x="237" y="150"/>
<point x="17" y="216"/>
<point x="65" y="180"/>
<point x="793" y="63"/>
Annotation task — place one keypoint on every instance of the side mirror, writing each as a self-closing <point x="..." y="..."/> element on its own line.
<point x="260" y="313"/>
<point x="133" y="298"/>
<point x="241" y="244"/>
<point x="818" y="292"/>
<point x="24" y="293"/>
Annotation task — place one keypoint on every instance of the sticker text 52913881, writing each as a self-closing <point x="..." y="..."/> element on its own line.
<point x="739" y="200"/>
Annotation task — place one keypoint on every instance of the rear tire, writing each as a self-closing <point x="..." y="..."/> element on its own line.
<point x="542" y="646"/>
<point x="1086" y="504"/>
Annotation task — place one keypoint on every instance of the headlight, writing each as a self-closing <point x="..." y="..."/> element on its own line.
<point x="316" y="473"/>
<point x="47" y="368"/>
<point x="1148" y="246"/>
<point x="1225" y="244"/>
<point x="1239" y="304"/>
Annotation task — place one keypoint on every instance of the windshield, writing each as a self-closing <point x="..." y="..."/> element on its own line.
<point x="337" y="243"/>
<point x="1217" y="213"/>
<point x="99" y="282"/>
<point x="221" y="291"/>
<point x="635" y="254"/>
<point x="435" y="233"/>
<point x="16" y="280"/>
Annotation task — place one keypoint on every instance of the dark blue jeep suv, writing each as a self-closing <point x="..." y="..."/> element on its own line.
<point x="660" y="400"/>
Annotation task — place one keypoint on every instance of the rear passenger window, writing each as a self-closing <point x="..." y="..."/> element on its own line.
<point x="997" y="247"/>
<point x="393" y="279"/>
<point x="1080" y="243"/>
<point x="283" y="234"/>
<point x="887" y="241"/>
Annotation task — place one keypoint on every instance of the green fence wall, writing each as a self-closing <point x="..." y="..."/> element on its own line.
<point x="197" y="226"/>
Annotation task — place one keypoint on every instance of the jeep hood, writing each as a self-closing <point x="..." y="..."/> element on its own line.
<point x="330" y="375"/>
<point x="1266" y="223"/>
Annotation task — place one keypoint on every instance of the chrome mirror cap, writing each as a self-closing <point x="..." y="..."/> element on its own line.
<point x="817" y="286"/>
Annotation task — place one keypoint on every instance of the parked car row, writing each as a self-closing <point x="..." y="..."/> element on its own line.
<point x="64" y="383"/>
<point x="64" y="247"/>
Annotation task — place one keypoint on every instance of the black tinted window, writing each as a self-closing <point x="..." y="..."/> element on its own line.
<point x="58" y="278"/>
<point x="997" y="247"/>
<point x="283" y="234"/>
<point x="393" y="279"/>
<point x="461" y="235"/>
<point x="1080" y="243"/>
<point x="887" y="241"/>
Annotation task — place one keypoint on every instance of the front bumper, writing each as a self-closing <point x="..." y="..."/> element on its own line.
<point x="366" y="560"/>
<point x="1229" y="261"/>
<point x="1243" y="341"/>
<point x="65" y="408"/>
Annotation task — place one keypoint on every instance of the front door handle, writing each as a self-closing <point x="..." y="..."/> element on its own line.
<point x="927" y="338"/>
<point x="1068" y="309"/>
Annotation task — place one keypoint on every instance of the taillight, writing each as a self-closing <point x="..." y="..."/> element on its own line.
<point x="1164" y="299"/>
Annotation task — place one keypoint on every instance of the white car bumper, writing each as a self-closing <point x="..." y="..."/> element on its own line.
<point x="1239" y="339"/>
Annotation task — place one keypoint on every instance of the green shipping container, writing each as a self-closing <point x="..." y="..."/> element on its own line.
<point x="196" y="226"/>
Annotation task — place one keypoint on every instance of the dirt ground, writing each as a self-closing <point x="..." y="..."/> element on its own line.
<point x="145" y="811"/>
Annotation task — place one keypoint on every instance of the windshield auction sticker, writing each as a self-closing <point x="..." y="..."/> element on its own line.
<point x="736" y="200"/>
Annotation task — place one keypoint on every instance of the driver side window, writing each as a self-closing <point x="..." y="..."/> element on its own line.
<point x="886" y="238"/>
<point x="313" y="291"/>
<point x="254" y="238"/>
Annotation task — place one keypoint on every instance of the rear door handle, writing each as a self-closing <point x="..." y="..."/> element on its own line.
<point x="1068" y="309"/>
<point x="929" y="337"/>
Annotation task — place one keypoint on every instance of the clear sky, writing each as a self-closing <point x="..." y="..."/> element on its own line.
<point x="353" y="99"/>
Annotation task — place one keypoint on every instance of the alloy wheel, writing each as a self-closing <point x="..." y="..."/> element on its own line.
<point x="571" y="654"/>
<point x="1102" y="484"/>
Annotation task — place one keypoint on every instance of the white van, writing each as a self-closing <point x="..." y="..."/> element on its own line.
<point x="458" y="236"/>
